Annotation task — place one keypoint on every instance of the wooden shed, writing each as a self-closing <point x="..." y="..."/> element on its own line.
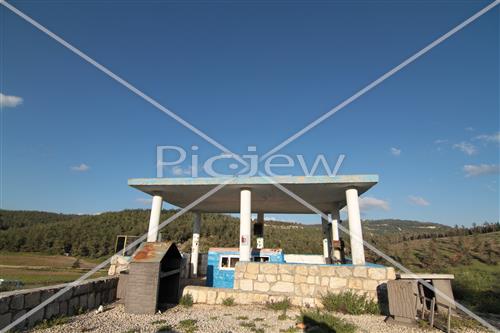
<point x="153" y="279"/>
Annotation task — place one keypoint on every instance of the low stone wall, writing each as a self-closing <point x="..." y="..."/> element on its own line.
<point x="88" y="295"/>
<point x="209" y="295"/>
<point x="311" y="281"/>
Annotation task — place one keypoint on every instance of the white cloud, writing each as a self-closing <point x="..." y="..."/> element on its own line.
<point x="179" y="171"/>
<point x="419" y="201"/>
<point x="367" y="203"/>
<point x="7" y="101"/>
<point x="470" y="129"/>
<point x="495" y="137"/>
<point x="80" y="168"/>
<point x="466" y="147"/>
<point x="144" y="201"/>
<point x="472" y="170"/>
<point x="440" y="141"/>
<point x="395" y="151"/>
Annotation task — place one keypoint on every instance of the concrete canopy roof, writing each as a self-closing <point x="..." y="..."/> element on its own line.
<point x="320" y="191"/>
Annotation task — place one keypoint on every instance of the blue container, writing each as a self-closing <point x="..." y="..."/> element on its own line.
<point x="221" y="262"/>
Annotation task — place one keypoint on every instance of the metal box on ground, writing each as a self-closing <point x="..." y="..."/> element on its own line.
<point x="403" y="300"/>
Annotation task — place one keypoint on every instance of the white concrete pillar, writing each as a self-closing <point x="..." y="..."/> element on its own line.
<point x="260" y="239"/>
<point x="154" y="219"/>
<point x="324" y="229"/>
<point x="335" y="232"/>
<point x="356" y="235"/>
<point x="195" y="244"/>
<point x="245" y="224"/>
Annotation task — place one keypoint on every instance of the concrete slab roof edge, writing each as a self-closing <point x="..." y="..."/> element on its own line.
<point x="339" y="179"/>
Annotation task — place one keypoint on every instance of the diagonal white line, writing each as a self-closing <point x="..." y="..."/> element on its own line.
<point x="105" y="263"/>
<point x="381" y="79"/>
<point x="121" y="81"/>
<point x="380" y="253"/>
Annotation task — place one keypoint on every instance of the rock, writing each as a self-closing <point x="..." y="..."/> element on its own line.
<point x="302" y="270"/>
<point x="344" y="271"/>
<point x="4" y="304"/>
<point x="377" y="273"/>
<point x="283" y="287"/>
<point x="253" y="268"/>
<point x="261" y="286"/>
<point x="355" y="284"/>
<point x="360" y="272"/>
<point x="336" y="282"/>
<point x="269" y="268"/>
<point x="17" y="302"/>
<point x="246" y="285"/>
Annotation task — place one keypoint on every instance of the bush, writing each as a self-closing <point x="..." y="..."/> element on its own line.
<point x="188" y="325"/>
<point x="324" y="322"/>
<point x="280" y="306"/>
<point x="186" y="300"/>
<point x="349" y="302"/>
<point x="229" y="301"/>
<point x="283" y="316"/>
<point x="162" y="329"/>
<point x="48" y="323"/>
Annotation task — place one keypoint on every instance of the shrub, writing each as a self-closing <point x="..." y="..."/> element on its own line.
<point x="229" y="301"/>
<point x="164" y="328"/>
<point x="325" y="322"/>
<point x="186" y="300"/>
<point x="283" y="316"/>
<point x="247" y="324"/>
<point x="349" y="302"/>
<point x="47" y="323"/>
<point x="188" y="325"/>
<point x="282" y="305"/>
<point x="257" y="330"/>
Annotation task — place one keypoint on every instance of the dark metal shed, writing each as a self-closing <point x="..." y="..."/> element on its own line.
<point x="153" y="278"/>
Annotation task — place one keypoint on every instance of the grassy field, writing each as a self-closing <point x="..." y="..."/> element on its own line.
<point x="36" y="270"/>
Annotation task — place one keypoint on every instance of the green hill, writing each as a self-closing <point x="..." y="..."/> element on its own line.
<point x="94" y="235"/>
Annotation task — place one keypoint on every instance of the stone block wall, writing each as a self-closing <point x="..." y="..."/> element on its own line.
<point x="88" y="295"/>
<point x="209" y="295"/>
<point x="311" y="281"/>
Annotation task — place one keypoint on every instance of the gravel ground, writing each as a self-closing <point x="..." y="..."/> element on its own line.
<point x="209" y="318"/>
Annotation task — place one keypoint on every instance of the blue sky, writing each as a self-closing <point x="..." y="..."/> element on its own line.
<point x="253" y="73"/>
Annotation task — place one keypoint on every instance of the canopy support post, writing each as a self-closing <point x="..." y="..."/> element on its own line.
<point x="245" y="224"/>
<point x="195" y="244"/>
<point x="356" y="235"/>
<point x="154" y="219"/>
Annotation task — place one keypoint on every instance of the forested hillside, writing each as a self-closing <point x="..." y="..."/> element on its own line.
<point x="95" y="235"/>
